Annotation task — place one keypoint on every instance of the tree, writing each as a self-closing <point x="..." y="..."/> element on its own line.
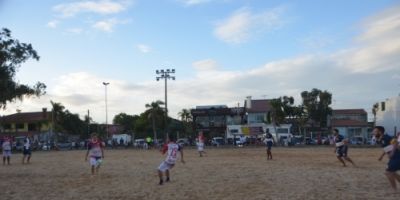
<point x="277" y="115"/>
<point x="316" y="103"/>
<point x="12" y="55"/>
<point x="155" y="112"/>
<point x="287" y="106"/>
<point x="125" y="120"/>
<point x="186" y="118"/>
<point x="57" y="113"/>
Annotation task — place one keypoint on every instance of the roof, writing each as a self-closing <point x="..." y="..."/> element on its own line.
<point x="348" y="122"/>
<point x="260" y="106"/>
<point x="26" y="117"/>
<point x="349" y="112"/>
<point x="211" y="106"/>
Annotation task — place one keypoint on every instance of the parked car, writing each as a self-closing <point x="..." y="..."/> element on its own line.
<point x="139" y="143"/>
<point x="216" y="141"/>
<point x="183" y="142"/>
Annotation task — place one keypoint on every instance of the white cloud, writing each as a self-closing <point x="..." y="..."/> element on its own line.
<point x="98" y="7"/>
<point x="143" y="48"/>
<point x="52" y="24"/>
<point x="108" y="24"/>
<point x="242" y="25"/>
<point x="205" y="65"/>
<point x="377" y="49"/>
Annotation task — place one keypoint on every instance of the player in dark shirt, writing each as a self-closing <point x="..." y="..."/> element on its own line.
<point x="393" y="164"/>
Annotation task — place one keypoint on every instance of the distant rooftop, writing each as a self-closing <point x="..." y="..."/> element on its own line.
<point x="211" y="106"/>
<point x="26" y="117"/>
<point x="348" y="111"/>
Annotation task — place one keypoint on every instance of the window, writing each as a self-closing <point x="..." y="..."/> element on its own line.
<point x="234" y="131"/>
<point x="7" y="126"/>
<point x="282" y="130"/>
<point x="20" y="126"/>
<point x="31" y="127"/>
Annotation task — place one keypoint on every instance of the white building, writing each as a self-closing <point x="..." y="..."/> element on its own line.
<point x="388" y="115"/>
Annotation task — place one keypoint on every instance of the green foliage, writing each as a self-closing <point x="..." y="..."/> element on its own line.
<point x="12" y="55"/>
<point x="127" y="121"/>
<point x="316" y="104"/>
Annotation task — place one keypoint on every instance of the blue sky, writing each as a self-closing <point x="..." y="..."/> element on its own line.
<point x="222" y="50"/>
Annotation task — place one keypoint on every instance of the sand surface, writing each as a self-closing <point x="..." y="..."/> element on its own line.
<point x="225" y="173"/>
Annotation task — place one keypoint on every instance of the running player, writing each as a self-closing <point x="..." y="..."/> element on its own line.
<point x="339" y="146"/>
<point x="382" y="138"/>
<point x="344" y="152"/>
<point x="96" y="153"/>
<point x="7" y="144"/>
<point x="393" y="164"/>
<point x="172" y="150"/>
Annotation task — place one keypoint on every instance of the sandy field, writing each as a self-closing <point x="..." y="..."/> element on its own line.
<point x="225" y="173"/>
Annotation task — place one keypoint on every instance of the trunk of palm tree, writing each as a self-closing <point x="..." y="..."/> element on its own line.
<point x="155" y="141"/>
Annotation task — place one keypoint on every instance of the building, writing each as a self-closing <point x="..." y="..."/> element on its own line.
<point x="26" y="124"/>
<point x="350" y="122"/>
<point x="256" y="110"/>
<point x="388" y="115"/>
<point x="212" y="120"/>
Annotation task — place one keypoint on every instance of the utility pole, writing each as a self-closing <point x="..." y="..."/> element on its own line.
<point x="165" y="74"/>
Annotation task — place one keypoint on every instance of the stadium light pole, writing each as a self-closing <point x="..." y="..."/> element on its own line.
<point x="165" y="74"/>
<point x="105" y="87"/>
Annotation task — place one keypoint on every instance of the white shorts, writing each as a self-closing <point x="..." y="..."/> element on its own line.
<point x="95" y="161"/>
<point x="164" y="166"/>
<point x="200" y="147"/>
<point x="6" y="153"/>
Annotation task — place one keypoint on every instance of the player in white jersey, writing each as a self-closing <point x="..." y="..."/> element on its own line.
<point x="200" y="144"/>
<point x="6" y="146"/>
<point x="96" y="153"/>
<point x="172" y="149"/>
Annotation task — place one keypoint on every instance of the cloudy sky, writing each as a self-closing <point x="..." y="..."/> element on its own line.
<point x="222" y="50"/>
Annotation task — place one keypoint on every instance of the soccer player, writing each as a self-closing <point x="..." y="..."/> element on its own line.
<point x="95" y="151"/>
<point x="339" y="146"/>
<point x="7" y="144"/>
<point x="200" y="144"/>
<point x="27" y="153"/>
<point x="382" y="138"/>
<point x="172" y="149"/>
<point x="344" y="152"/>
<point x="269" y="141"/>
<point x="393" y="164"/>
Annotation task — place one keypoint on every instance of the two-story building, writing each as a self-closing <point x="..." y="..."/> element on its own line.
<point x="212" y="120"/>
<point x="350" y="122"/>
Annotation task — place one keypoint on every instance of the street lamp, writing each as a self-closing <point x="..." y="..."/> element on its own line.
<point x="165" y="74"/>
<point x="105" y="87"/>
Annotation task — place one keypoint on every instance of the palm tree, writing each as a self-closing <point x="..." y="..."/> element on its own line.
<point x="277" y="115"/>
<point x="186" y="117"/>
<point x="56" y="114"/>
<point x="154" y="111"/>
